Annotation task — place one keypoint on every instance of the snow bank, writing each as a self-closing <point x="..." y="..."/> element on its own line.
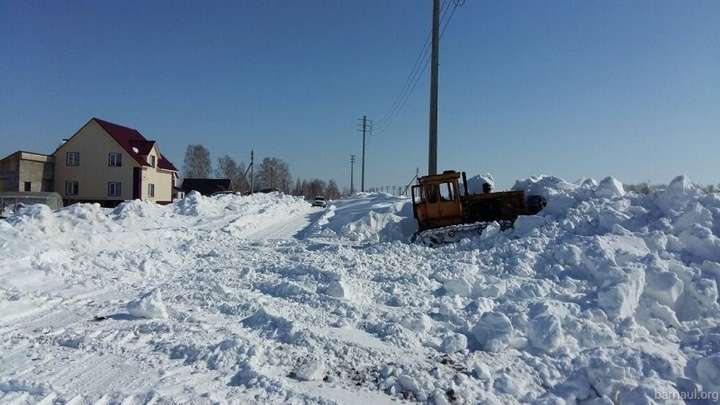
<point x="597" y="269"/>
<point x="367" y="217"/>
<point x="475" y="183"/>
<point x="40" y="220"/>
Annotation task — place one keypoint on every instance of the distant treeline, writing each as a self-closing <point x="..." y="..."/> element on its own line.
<point x="270" y="173"/>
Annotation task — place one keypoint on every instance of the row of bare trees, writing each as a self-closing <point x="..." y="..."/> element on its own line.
<point x="316" y="187"/>
<point x="270" y="173"/>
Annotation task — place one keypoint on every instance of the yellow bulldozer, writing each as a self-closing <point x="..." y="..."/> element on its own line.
<point x="446" y="213"/>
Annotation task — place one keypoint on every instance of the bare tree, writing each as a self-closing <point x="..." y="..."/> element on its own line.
<point x="228" y="169"/>
<point x="316" y="187"/>
<point x="298" y="188"/>
<point x="197" y="162"/>
<point x="243" y="181"/>
<point x="332" y="192"/>
<point x="274" y="173"/>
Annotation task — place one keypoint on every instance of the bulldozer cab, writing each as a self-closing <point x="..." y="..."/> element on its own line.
<point x="436" y="200"/>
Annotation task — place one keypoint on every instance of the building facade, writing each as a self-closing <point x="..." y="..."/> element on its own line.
<point x="109" y="163"/>
<point x="27" y="172"/>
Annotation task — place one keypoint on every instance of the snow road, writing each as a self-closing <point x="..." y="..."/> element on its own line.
<point x="286" y="227"/>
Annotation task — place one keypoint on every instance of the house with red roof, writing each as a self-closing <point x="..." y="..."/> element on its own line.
<point x="110" y="163"/>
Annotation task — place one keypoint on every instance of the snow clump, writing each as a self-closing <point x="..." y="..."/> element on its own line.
<point x="149" y="305"/>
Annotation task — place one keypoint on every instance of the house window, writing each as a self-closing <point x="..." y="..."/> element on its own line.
<point x="114" y="159"/>
<point x="72" y="159"/>
<point x="151" y="190"/>
<point x="28" y="186"/>
<point x="72" y="188"/>
<point x="152" y="160"/>
<point x="114" y="189"/>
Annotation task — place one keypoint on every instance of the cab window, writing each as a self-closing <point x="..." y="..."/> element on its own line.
<point x="447" y="192"/>
<point x="432" y="193"/>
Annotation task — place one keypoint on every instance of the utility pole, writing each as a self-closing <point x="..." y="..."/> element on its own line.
<point x="366" y="125"/>
<point x="432" y="146"/>
<point x="352" y="175"/>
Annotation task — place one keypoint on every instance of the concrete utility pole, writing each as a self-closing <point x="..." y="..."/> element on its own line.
<point x="352" y="174"/>
<point x="366" y="125"/>
<point x="432" y="146"/>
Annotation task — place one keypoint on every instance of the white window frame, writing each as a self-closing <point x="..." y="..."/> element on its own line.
<point x="115" y="159"/>
<point x="72" y="187"/>
<point x="114" y="189"/>
<point x="151" y="190"/>
<point x="72" y="159"/>
<point x="152" y="160"/>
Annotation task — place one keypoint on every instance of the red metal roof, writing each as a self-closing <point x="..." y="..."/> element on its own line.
<point x="143" y="147"/>
<point x="166" y="164"/>
<point x="134" y="143"/>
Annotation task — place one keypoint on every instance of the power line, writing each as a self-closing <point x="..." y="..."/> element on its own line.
<point x="421" y="56"/>
<point x="417" y="74"/>
<point x="423" y="69"/>
<point x="413" y="76"/>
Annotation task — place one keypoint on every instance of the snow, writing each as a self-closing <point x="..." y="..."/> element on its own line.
<point x="454" y="342"/>
<point x="606" y="296"/>
<point x="311" y="370"/>
<point x="610" y="187"/>
<point x="545" y="332"/>
<point x="493" y="331"/>
<point x="149" y="305"/>
<point x="475" y="183"/>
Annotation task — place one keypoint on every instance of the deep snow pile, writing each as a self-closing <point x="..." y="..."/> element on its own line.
<point x="475" y="183"/>
<point x="232" y="213"/>
<point x="617" y="291"/>
<point x="367" y="217"/>
<point x="604" y="296"/>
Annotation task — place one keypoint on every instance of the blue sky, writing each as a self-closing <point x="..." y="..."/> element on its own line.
<point x="569" y="88"/>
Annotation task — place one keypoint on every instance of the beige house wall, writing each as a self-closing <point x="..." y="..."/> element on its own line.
<point x="162" y="179"/>
<point x="93" y="173"/>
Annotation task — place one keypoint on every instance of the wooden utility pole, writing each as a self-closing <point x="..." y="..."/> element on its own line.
<point x="432" y="145"/>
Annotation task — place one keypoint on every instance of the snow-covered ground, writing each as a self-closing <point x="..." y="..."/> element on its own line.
<point x="604" y="296"/>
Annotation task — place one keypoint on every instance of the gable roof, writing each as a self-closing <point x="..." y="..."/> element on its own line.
<point x="134" y="143"/>
<point x="205" y="186"/>
<point x="166" y="164"/>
